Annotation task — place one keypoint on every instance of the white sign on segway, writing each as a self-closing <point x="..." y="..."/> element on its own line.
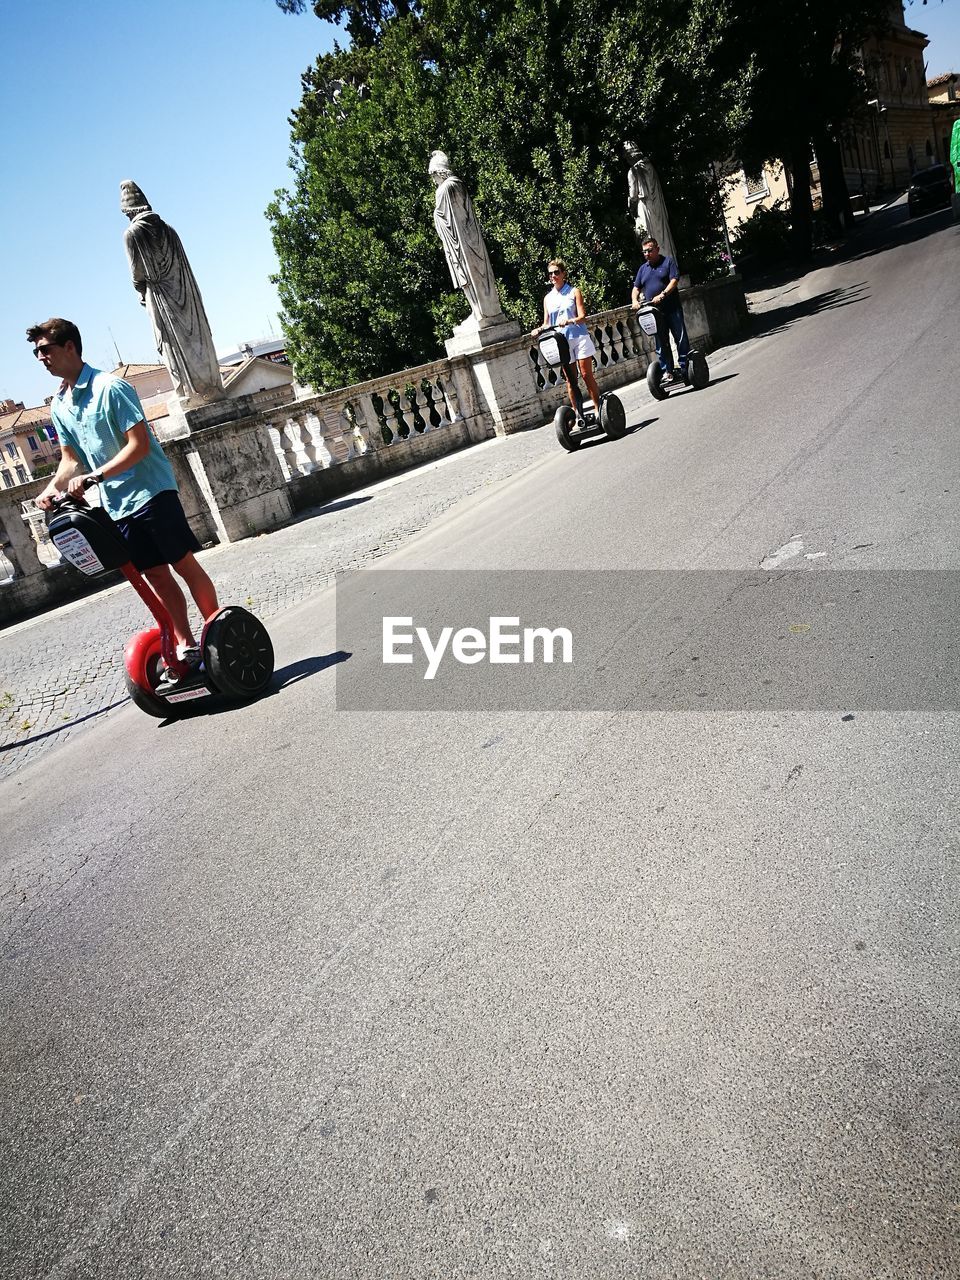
<point x="74" y="547"/>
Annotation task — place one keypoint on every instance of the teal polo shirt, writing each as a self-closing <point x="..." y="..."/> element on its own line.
<point x="93" y="418"/>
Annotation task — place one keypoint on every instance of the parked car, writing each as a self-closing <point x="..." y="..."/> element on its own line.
<point x="929" y="189"/>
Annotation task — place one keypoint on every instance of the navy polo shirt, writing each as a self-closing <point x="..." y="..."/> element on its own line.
<point x="653" y="279"/>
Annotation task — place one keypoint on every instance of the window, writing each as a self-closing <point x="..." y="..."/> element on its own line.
<point x="11" y="449"/>
<point x="33" y="444"/>
<point x="22" y="475"/>
<point x="756" y="185"/>
<point x="8" y="483"/>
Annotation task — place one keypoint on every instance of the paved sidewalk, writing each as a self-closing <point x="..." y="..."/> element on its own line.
<point x="61" y="670"/>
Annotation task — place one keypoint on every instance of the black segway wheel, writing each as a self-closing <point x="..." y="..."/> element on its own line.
<point x="237" y="654"/>
<point x="699" y="371"/>
<point x="613" y="417"/>
<point x="563" y="423"/>
<point x="654" y="379"/>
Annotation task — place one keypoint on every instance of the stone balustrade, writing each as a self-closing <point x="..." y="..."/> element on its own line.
<point x="250" y="464"/>
<point x="327" y="430"/>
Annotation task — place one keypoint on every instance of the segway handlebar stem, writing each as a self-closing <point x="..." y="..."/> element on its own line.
<point x="155" y="606"/>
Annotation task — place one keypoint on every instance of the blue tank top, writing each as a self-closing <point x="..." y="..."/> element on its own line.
<point x="561" y="304"/>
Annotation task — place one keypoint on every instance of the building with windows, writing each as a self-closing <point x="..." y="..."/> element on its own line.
<point x="945" y="88"/>
<point x="905" y="125"/>
<point x="28" y="443"/>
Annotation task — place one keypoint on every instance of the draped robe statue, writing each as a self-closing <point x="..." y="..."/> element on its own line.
<point x="167" y="288"/>
<point x="463" y="245"/>
<point x="646" y="201"/>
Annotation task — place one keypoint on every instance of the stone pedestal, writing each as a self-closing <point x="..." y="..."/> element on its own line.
<point x="503" y="382"/>
<point x="506" y="390"/>
<point x="234" y="464"/>
<point x="184" y="422"/>
<point x="470" y="337"/>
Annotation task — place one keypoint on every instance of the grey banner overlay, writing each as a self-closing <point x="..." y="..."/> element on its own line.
<point x="654" y="640"/>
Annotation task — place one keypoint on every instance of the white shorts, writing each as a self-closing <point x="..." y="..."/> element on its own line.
<point x="581" y="345"/>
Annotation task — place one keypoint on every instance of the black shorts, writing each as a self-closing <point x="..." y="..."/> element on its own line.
<point x="158" y="533"/>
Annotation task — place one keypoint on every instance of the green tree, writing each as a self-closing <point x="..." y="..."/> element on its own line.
<point x="533" y="100"/>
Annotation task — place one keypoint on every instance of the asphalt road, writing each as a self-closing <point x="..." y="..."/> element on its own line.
<point x="293" y="992"/>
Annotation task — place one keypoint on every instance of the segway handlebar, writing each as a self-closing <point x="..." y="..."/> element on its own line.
<point x="68" y="499"/>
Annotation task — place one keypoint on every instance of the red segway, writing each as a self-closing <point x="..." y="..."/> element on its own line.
<point x="236" y="656"/>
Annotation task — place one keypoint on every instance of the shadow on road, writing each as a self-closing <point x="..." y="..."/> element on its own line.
<point x="602" y="438"/>
<point x="892" y="234"/>
<point x="282" y="678"/>
<point x="67" y="724"/>
<point x="779" y="318"/>
<point x="297" y="671"/>
<point x="340" y="505"/>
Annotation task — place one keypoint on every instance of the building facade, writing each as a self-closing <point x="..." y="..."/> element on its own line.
<point x="28" y="443"/>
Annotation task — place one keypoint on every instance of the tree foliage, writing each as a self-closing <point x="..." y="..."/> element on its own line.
<point x="533" y="101"/>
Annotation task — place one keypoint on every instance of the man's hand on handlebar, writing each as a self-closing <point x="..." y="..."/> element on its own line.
<point x="78" y="484"/>
<point x="45" y="500"/>
<point x="52" y="496"/>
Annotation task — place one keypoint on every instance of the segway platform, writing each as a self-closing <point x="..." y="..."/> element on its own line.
<point x="573" y="426"/>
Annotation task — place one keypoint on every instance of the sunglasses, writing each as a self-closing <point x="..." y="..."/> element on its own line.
<point x="554" y="273"/>
<point x="47" y="346"/>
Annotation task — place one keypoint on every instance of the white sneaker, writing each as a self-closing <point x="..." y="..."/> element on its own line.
<point x="189" y="653"/>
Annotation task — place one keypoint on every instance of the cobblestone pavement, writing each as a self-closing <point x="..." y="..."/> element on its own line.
<point x="63" y="669"/>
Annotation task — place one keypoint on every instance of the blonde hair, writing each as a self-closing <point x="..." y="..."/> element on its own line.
<point x="557" y="264"/>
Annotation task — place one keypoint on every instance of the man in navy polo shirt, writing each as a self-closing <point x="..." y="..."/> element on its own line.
<point x="658" y="279"/>
<point x="104" y="437"/>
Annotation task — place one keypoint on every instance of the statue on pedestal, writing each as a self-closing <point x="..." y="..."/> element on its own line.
<point x="167" y="288"/>
<point x="462" y="239"/>
<point x="646" y="202"/>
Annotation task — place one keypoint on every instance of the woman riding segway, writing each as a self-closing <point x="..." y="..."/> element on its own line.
<point x="564" y="308"/>
<point x="565" y="343"/>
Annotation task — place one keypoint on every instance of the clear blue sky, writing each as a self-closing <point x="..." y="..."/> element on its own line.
<point x="190" y="99"/>
<point x="940" y="20"/>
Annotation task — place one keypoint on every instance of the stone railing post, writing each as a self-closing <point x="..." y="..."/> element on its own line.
<point x="236" y="469"/>
<point x="18" y="544"/>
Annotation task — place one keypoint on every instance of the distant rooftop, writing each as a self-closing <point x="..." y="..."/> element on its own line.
<point x="269" y="347"/>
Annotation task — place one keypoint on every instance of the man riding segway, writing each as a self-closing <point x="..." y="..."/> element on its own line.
<point x="659" y="281"/>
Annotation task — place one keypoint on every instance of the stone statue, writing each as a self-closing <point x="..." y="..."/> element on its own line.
<point x="168" y="290"/>
<point x="646" y="202"/>
<point x="467" y="257"/>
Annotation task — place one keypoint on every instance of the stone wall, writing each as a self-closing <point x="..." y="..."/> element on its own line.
<point x="244" y="467"/>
